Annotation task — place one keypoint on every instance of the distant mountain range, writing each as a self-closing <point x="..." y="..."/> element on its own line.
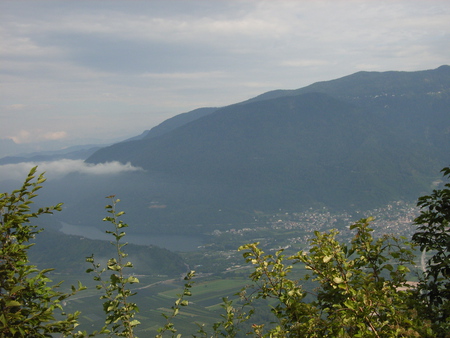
<point x="355" y="142"/>
<point x="80" y="152"/>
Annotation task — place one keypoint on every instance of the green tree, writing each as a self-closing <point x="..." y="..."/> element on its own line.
<point x="29" y="305"/>
<point x="362" y="291"/>
<point x="362" y="288"/>
<point x="433" y="235"/>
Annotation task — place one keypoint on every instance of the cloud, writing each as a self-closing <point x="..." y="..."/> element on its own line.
<point x="56" y="169"/>
<point x="56" y="135"/>
<point x="26" y="136"/>
<point x="22" y="136"/>
<point x="15" y="106"/>
<point x="185" y="75"/>
<point x="304" y="63"/>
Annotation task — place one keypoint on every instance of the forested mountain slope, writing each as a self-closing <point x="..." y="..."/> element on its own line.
<point x="359" y="141"/>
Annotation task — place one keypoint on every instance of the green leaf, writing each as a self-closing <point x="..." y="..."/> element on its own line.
<point x="132" y="280"/>
<point x="338" y="280"/>
<point x="13" y="303"/>
<point x="16" y="288"/>
<point x="326" y="259"/>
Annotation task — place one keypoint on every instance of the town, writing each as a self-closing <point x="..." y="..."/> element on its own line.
<point x="293" y="231"/>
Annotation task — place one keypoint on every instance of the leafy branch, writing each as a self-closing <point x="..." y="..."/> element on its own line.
<point x="27" y="303"/>
<point x="120" y="311"/>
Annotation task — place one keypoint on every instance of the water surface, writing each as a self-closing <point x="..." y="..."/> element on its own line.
<point x="171" y="242"/>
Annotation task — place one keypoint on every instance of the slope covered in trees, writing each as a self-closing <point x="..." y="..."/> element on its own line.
<point x="359" y="141"/>
<point x="71" y="251"/>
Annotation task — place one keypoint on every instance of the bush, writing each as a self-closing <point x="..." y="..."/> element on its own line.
<point x="28" y="305"/>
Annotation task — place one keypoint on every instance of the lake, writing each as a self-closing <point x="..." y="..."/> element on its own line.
<point x="170" y="242"/>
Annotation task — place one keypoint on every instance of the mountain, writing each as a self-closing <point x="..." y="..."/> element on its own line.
<point x="80" y="152"/>
<point x="368" y="86"/>
<point x="355" y="142"/>
<point x="67" y="254"/>
<point x="172" y="123"/>
<point x="178" y="120"/>
<point x="9" y="147"/>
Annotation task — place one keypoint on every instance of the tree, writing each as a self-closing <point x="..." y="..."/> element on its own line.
<point x="433" y="235"/>
<point x="359" y="292"/>
<point x="361" y="286"/>
<point x="29" y="306"/>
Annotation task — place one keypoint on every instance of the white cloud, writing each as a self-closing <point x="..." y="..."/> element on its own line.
<point x="56" y="169"/>
<point x="55" y="135"/>
<point x="24" y="46"/>
<point x="15" y="106"/>
<point x="37" y="135"/>
<point x="305" y="63"/>
<point x="185" y="76"/>
<point x="22" y="136"/>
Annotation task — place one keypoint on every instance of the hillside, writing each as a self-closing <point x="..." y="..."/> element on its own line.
<point x="365" y="87"/>
<point x="173" y="123"/>
<point x="71" y="253"/>
<point x="359" y="141"/>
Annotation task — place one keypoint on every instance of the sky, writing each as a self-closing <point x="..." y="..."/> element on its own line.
<point x="83" y="71"/>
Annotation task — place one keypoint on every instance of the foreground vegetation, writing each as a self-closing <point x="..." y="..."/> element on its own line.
<point x="354" y="289"/>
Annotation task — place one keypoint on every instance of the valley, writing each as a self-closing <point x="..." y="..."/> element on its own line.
<point x="221" y="270"/>
<point x="274" y="169"/>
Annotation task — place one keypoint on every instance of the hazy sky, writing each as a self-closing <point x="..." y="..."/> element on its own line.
<point x="75" y="70"/>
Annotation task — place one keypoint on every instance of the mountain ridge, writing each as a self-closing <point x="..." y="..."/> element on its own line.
<point x="340" y="143"/>
<point x="322" y="86"/>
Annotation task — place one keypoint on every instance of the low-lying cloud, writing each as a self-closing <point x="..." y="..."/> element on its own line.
<point x="56" y="169"/>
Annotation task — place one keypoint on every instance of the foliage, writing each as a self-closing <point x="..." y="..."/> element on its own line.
<point x="433" y="235"/>
<point x="362" y="288"/>
<point x="181" y="301"/>
<point x="29" y="306"/>
<point x="120" y="312"/>
<point x="359" y="288"/>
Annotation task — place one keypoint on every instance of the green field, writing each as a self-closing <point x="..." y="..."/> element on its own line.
<point x="221" y="273"/>
<point x="158" y="298"/>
